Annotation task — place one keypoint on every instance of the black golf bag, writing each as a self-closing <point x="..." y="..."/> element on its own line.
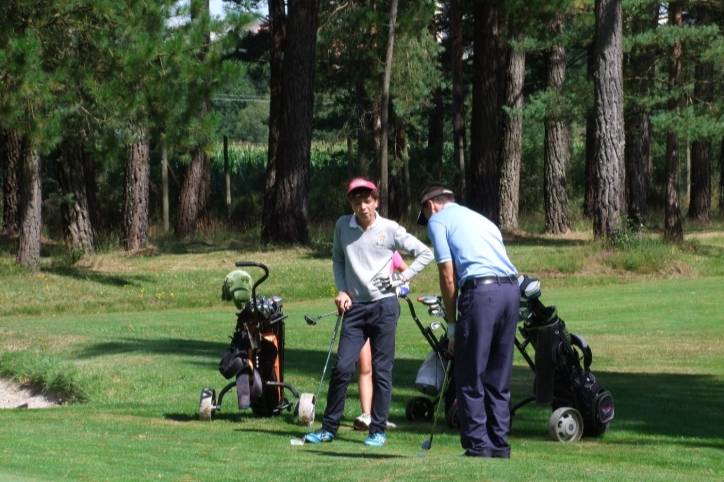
<point x="562" y="364"/>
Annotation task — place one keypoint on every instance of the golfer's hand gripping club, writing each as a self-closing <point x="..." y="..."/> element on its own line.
<point x="389" y="282"/>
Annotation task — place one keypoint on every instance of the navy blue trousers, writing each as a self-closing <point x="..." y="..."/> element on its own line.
<point x="376" y="320"/>
<point x="484" y="344"/>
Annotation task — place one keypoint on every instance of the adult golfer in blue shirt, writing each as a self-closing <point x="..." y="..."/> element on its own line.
<point x="477" y="282"/>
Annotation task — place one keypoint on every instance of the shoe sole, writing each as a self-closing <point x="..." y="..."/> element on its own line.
<point x="357" y="425"/>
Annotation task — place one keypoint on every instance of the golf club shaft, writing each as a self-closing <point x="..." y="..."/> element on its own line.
<point x="321" y="380"/>
<point x="440" y="401"/>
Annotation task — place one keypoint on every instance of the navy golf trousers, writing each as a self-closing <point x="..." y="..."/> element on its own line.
<point x="484" y="344"/>
<point x="376" y="320"/>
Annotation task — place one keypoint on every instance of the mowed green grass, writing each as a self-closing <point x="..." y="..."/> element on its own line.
<point x="657" y="347"/>
<point x="134" y="361"/>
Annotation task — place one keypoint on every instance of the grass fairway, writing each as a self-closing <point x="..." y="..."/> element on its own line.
<point x="138" y="374"/>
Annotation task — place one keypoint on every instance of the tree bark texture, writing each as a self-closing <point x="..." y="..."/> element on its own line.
<point x="557" y="141"/>
<point x="187" y="212"/>
<point x="277" y="26"/>
<point x="458" y="93"/>
<point x="384" y="111"/>
<point x="512" y="149"/>
<point x="484" y="129"/>
<point x="91" y="190"/>
<point x="77" y="227"/>
<point x="721" y="177"/>
<point x="700" y="198"/>
<point x="287" y="220"/>
<point x="361" y="104"/>
<point x="610" y="139"/>
<point x="29" y="208"/>
<point x="701" y="157"/>
<point x="12" y="152"/>
<point x="135" y="194"/>
<point x="638" y="129"/>
<point x="672" y="210"/>
<point x="638" y="151"/>
<point x="436" y="127"/>
<point x="589" y="194"/>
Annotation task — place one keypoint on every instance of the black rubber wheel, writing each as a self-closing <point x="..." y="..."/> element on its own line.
<point x="419" y="408"/>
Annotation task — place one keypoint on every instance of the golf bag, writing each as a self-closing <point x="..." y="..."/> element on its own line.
<point x="562" y="364"/>
<point x="255" y="367"/>
<point x="255" y="357"/>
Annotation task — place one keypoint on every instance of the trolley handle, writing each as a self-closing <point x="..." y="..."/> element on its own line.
<point x="241" y="264"/>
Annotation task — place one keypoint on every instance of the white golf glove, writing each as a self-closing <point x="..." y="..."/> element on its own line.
<point x="388" y="282"/>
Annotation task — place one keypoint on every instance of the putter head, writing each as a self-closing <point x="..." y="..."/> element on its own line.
<point x="296" y="441"/>
<point x="310" y="320"/>
<point x="426" y="445"/>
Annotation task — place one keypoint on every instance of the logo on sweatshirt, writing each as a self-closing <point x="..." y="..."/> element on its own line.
<point x="381" y="238"/>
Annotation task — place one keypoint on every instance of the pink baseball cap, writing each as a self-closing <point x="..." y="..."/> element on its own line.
<point x="360" y="183"/>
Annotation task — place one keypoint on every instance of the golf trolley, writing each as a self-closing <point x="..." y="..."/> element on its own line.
<point x="431" y="374"/>
<point x="255" y="358"/>
<point x="561" y="364"/>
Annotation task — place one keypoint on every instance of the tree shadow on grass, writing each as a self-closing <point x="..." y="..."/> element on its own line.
<point x="655" y="404"/>
<point x="101" y="278"/>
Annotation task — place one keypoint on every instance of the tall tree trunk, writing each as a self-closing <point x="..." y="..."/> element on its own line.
<point x="610" y="140"/>
<point x="700" y="180"/>
<point x="637" y="154"/>
<point x="277" y="27"/>
<point x="187" y="211"/>
<point x="12" y="152"/>
<point x="164" y="188"/>
<point x="638" y="130"/>
<point x="721" y="177"/>
<point x="135" y="194"/>
<point x="672" y="216"/>
<point x="700" y="198"/>
<point x="435" y="129"/>
<point x="193" y="206"/>
<point x="377" y="143"/>
<point x="384" y="110"/>
<point x="512" y="150"/>
<point x="484" y="130"/>
<point x="589" y="194"/>
<point x="458" y="92"/>
<point x="557" y="141"/>
<point x="361" y="103"/>
<point x="29" y="208"/>
<point x="227" y="179"/>
<point x="287" y="222"/>
<point x="77" y="228"/>
<point x="91" y="190"/>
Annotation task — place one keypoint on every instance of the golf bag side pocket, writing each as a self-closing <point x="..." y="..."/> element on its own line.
<point x="595" y="405"/>
<point x="431" y="375"/>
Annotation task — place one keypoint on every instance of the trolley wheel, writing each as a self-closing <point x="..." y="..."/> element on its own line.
<point x="451" y="416"/>
<point x="207" y="404"/>
<point x="419" y="408"/>
<point x="565" y="425"/>
<point x="306" y="408"/>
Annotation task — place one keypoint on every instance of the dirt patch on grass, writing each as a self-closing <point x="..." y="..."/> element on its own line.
<point x="13" y="395"/>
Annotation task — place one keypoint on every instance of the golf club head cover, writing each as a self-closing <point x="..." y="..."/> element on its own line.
<point x="388" y="282"/>
<point x="237" y="288"/>
<point x="529" y="287"/>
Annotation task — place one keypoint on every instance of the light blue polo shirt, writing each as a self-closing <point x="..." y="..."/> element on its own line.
<point x="471" y="241"/>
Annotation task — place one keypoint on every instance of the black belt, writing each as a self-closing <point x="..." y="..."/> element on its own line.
<point x="489" y="280"/>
